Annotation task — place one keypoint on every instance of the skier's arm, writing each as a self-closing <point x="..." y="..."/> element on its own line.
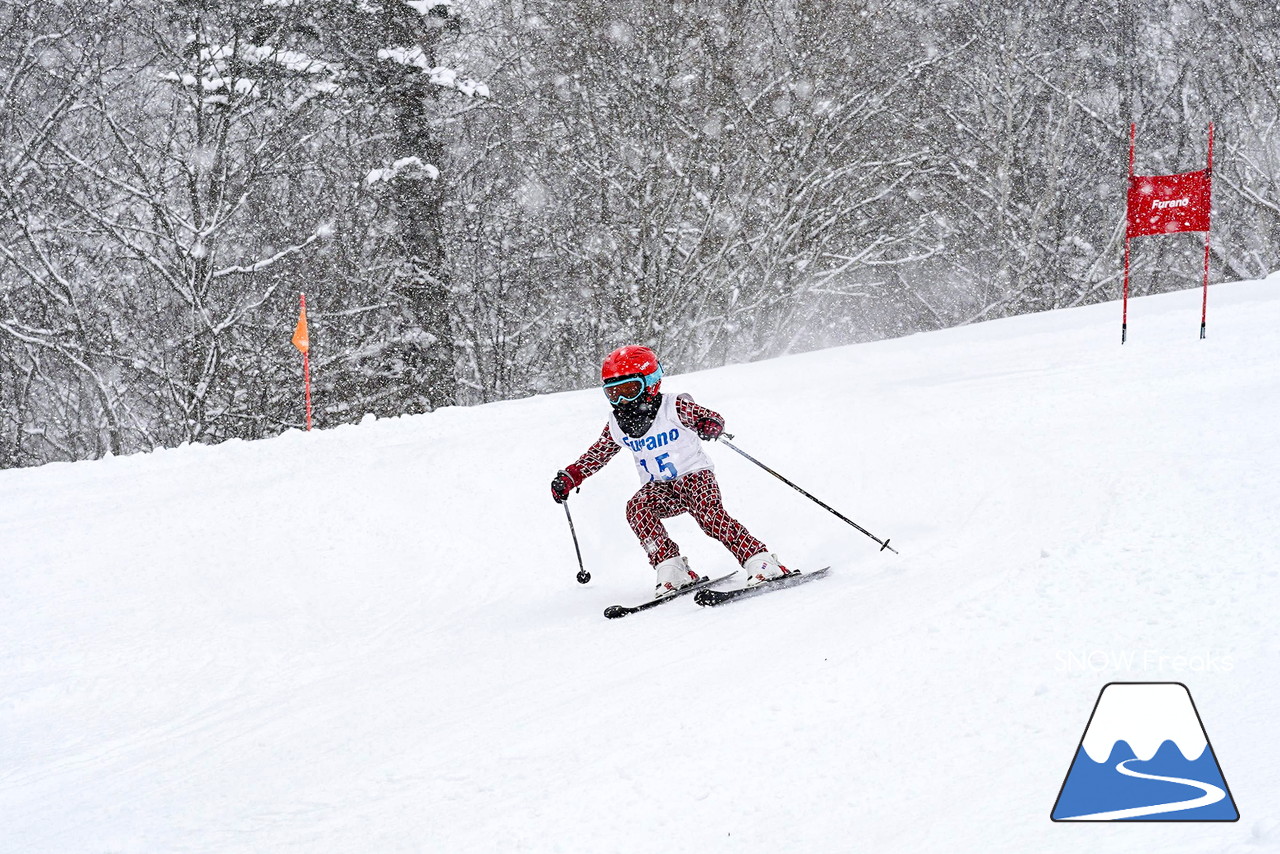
<point x="572" y="475"/>
<point x="597" y="455"/>
<point x="707" y="423"/>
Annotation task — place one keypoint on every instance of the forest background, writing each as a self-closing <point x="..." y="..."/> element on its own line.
<point x="481" y="198"/>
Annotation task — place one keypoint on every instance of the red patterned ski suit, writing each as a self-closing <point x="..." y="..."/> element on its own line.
<point x="696" y="493"/>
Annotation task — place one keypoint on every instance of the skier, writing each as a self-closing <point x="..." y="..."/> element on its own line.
<point x="662" y="433"/>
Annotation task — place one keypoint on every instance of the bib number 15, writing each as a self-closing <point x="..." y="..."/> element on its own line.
<point x="665" y="469"/>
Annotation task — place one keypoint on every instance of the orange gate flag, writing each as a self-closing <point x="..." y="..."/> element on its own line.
<point x="300" y="339"/>
<point x="303" y="343"/>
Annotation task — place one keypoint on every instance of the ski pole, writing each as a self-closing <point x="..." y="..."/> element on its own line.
<point x="884" y="544"/>
<point x="583" y="575"/>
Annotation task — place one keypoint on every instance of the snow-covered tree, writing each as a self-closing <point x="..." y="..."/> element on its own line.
<point x="400" y="98"/>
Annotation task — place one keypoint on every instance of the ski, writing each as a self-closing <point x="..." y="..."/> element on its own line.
<point x="613" y="612"/>
<point x="710" y="598"/>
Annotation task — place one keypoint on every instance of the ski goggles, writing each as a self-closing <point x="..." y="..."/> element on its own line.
<point x="627" y="389"/>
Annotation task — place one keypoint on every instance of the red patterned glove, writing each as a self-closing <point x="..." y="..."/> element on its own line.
<point x="564" y="482"/>
<point x="709" y="428"/>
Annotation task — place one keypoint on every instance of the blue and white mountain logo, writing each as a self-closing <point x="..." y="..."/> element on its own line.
<point x="1145" y="756"/>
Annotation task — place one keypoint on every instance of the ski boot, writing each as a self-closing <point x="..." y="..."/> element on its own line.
<point x="674" y="574"/>
<point x="763" y="567"/>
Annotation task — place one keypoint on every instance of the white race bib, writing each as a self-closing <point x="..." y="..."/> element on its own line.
<point x="669" y="450"/>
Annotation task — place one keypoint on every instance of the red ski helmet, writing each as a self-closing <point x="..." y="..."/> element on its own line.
<point x="630" y="372"/>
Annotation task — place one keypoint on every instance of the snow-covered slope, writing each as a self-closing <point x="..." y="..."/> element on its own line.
<point x="370" y="639"/>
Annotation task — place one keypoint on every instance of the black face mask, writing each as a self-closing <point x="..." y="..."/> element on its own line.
<point x="635" y="417"/>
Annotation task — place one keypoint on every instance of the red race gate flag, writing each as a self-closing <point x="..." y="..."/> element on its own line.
<point x="1167" y="204"/>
